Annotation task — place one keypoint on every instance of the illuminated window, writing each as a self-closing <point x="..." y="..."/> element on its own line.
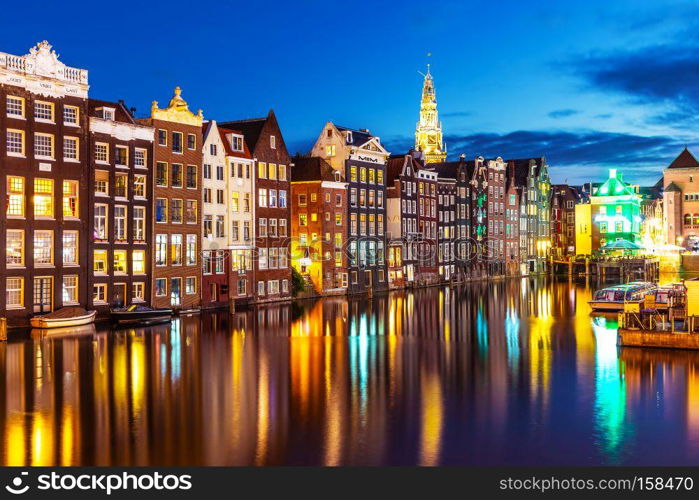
<point x="120" y="222"/>
<point x="161" y="174"/>
<point x="139" y="186"/>
<point x="43" y="145"/>
<point x="190" y="285"/>
<point x="14" y="293"/>
<point x="70" y="290"/>
<point x="14" y="244"/>
<point x="303" y="220"/>
<point x="121" y="155"/>
<point x="15" y="106"/>
<point x="140" y="157"/>
<point x="330" y="150"/>
<point x="262" y="170"/>
<point x="282" y="227"/>
<point x="43" y="111"/>
<point x="101" y="152"/>
<point x="191" y="249"/>
<point x="15" y="142"/>
<point x="100" y="221"/>
<point x="176" y="175"/>
<point x="353" y="174"/>
<point x="120" y="261"/>
<point x="43" y="197"/>
<point x="272" y="171"/>
<point x="138" y="292"/>
<point x="43" y="248"/>
<point x="100" y="261"/>
<point x="101" y="183"/>
<point x="70" y="148"/>
<point x="176" y="249"/>
<point x="161" y="249"/>
<point x="139" y="223"/>
<point x="70" y="199"/>
<point x="379" y="178"/>
<point x="282" y="172"/>
<point x="99" y="293"/>
<point x="262" y="197"/>
<point x="338" y="219"/>
<point x="15" y="196"/>
<point x="70" y="248"/>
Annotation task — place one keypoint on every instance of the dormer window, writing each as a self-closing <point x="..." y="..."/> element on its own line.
<point x="349" y="137"/>
<point x="236" y="142"/>
<point x="272" y="142"/>
<point x="338" y="177"/>
<point x="330" y="132"/>
<point x="105" y="113"/>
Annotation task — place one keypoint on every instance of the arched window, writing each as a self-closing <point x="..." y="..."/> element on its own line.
<point x="696" y="220"/>
<point x="687" y="219"/>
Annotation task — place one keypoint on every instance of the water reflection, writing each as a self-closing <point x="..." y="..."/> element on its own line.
<point x="511" y="372"/>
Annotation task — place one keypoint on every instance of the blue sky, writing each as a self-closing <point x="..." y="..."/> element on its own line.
<point x="590" y="85"/>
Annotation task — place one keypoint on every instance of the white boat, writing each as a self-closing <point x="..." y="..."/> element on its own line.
<point x="64" y="317"/>
<point x="614" y="297"/>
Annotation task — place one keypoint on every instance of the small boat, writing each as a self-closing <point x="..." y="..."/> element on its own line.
<point x="669" y="295"/>
<point x="140" y="314"/>
<point x="64" y="317"/>
<point x="614" y="297"/>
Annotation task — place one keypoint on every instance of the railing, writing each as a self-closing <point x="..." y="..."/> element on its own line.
<point x="19" y="64"/>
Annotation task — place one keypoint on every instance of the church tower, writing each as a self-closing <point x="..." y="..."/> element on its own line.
<point x="428" y="133"/>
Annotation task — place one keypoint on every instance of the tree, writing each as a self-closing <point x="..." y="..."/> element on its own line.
<point x="298" y="284"/>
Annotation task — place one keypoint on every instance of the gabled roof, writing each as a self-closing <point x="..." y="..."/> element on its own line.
<point x="121" y="113"/>
<point x="614" y="186"/>
<point x="245" y="153"/>
<point x="251" y="128"/>
<point x="359" y="137"/>
<point x="450" y="169"/>
<point x="684" y="160"/>
<point x="521" y="167"/>
<point x="673" y="188"/>
<point x="312" y="168"/>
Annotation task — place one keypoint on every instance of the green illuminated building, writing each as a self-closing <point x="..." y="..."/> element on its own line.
<point x="616" y="212"/>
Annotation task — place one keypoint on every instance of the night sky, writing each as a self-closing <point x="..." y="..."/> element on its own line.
<point x="590" y="85"/>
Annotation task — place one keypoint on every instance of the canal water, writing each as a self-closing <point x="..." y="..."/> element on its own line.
<point x="511" y="372"/>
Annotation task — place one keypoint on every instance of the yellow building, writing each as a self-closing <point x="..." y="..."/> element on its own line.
<point x="583" y="229"/>
<point x="428" y="133"/>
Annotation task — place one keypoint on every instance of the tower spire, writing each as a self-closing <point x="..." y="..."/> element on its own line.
<point x="428" y="132"/>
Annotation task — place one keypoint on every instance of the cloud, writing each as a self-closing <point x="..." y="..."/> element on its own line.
<point x="562" y="113"/>
<point x="578" y="156"/>
<point x="455" y="114"/>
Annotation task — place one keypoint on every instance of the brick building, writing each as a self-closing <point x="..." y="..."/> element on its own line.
<point x="119" y="207"/>
<point x="563" y="201"/>
<point x="512" y="221"/>
<point x="44" y="158"/>
<point x="177" y="199"/>
<point x="318" y="228"/>
<point x="272" y="214"/>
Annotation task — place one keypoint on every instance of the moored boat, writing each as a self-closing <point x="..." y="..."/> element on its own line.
<point x="66" y="331"/>
<point x="63" y="318"/>
<point x="614" y="297"/>
<point x="141" y="314"/>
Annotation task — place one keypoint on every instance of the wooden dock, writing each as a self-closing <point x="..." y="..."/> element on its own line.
<point x="623" y="269"/>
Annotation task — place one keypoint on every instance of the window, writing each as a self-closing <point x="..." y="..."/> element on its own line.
<point x="272" y="197"/>
<point x="282" y="227"/>
<point x="235" y="230"/>
<point x="330" y="150"/>
<point x="43" y="248"/>
<point x="262" y="197"/>
<point x="285" y="286"/>
<point x="208" y="225"/>
<point x="177" y="211"/>
<point x="220" y="262"/>
<point x="139" y="186"/>
<point x="260" y="288"/>
<point x="138" y="292"/>
<point x="120" y="262"/>
<point x="176" y="249"/>
<point x="262" y="170"/>
<point x="162" y="137"/>
<point x="70" y="115"/>
<point x="105" y="113"/>
<point x="43" y="111"/>
<point x="273" y="228"/>
<point x="191" y="212"/>
<point x="282" y="198"/>
<point x="273" y="287"/>
<point x="220" y="226"/>
<point x="192" y="143"/>
<point x="161" y="174"/>
<point x="177" y="142"/>
<point x="262" y="258"/>
<point x="70" y="199"/>
<point x="161" y="249"/>
<point x="14" y="295"/>
<point x="101" y="183"/>
<point x="161" y="210"/>
<point x="100" y="265"/>
<point x="338" y="218"/>
<point x="192" y="176"/>
<point x="242" y="286"/>
<point x="15" y="142"/>
<point x="70" y="148"/>
<point x="207" y="195"/>
<point x="237" y="142"/>
<point x="121" y="154"/>
<point x="99" y="293"/>
<point x="160" y="287"/>
<point x="101" y="152"/>
<point x="100" y="222"/>
<point x="262" y="227"/>
<point x="272" y="142"/>
<point x="213" y="149"/>
<point x="70" y="248"/>
<point x="14" y="244"/>
<point x="190" y="285"/>
<point x="302" y="200"/>
<point x="43" y="145"/>
<point x="176" y="175"/>
<point x="207" y="171"/>
<point x="303" y="220"/>
<point x="15" y="106"/>
<point x="191" y="249"/>
<point x="120" y="222"/>
<point x="43" y="197"/>
<point x="272" y="174"/>
<point x="207" y="265"/>
<point x="139" y="223"/>
<point x="219" y="172"/>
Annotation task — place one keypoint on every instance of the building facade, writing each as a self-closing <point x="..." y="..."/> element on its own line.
<point x="119" y="207"/>
<point x="616" y="212"/>
<point x="362" y="158"/>
<point x="272" y="273"/>
<point x="318" y="228"/>
<point x="177" y="200"/>
<point x="44" y="160"/>
<point x="563" y="201"/>
<point x="681" y="201"/>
